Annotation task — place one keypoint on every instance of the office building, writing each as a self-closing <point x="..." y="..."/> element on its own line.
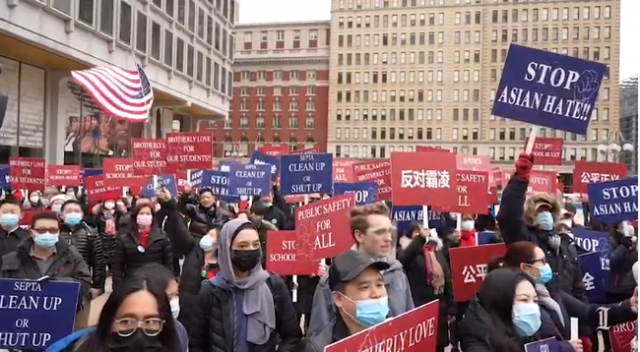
<point x="629" y="122"/>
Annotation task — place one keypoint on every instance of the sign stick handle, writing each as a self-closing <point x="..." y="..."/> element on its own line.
<point x="155" y="181"/>
<point x="425" y="216"/>
<point x="458" y="221"/>
<point x="63" y="189"/>
<point x="189" y="175"/>
<point x="294" y="292"/>
<point x="574" y="328"/>
<point x="532" y="139"/>
<point x="124" y="191"/>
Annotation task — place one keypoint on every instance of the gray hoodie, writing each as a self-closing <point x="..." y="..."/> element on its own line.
<point x="323" y="311"/>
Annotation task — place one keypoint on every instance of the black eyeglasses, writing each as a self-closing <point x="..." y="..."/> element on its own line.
<point x="126" y="327"/>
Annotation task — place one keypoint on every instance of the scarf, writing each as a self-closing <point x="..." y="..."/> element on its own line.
<point x="143" y="237"/>
<point x="433" y="269"/>
<point x="467" y="238"/>
<point x="544" y="299"/>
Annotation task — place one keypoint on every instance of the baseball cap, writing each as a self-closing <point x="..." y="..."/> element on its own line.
<point x="349" y="265"/>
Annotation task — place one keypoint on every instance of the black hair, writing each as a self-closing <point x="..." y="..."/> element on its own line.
<point x="100" y="337"/>
<point x="136" y="210"/>
<point x="11" y="199"/>
<point x="413" y="227"/>
<point x="496" y="296"/>
<point x="205" y="190"/>
<point x="47" y="215"/>
<point x="155" y="274"/>
<point x="70" y="201"/>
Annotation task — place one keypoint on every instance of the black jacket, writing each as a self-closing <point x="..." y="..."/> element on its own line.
<point x="190" y="284"/>
<point x="563" y="262"/>
<point x="127" y="258"/>
<point x="169" y="220"/>
<point x="213" y="328"/>
<point x="9" y="242"/>
<point x="89" y="244"/>
<point x="201" y="219"/>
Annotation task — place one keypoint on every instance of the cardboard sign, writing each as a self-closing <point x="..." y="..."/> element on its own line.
<point x="323" y="228"/>
<point x="343" y="170"/>
<point x="258" y="158"/>
<point x="27" y="173"/>
<point x="365" y="192"/>
<point x="36" y="314"/>
<point x="190" y="150"/>
<point x="118" y="172"/>
<point x="546" y="150"/>
<point x="149" y="156"/>
<point x="273" y="150"/>
<point x="381" y="176"/>
<point x="546" y="345"/>
<point x="403" y="216"/>
<point x="469" y="268"/>
<point x="413" y="331"/>
<point x="282" y="255"/>
<point x="615" y="201"/>
<point x="473" y="162"/>
<point x="586" y="172"/>
<point x="306" y="174"/>
<point x="548" y="89"/>
<point x="164" y="181"/>
<point x="424" y="178"/>
<point x="621" y="336"/>
<point x="472" y="194"/>
<point x="249" y="180"/>
<point x="594" y="241"/>
<point x="593" y="277"/>
<point x="98" y="192"/>
<point x="218" y="182"/>
<point x="314" y="150"/>
<point x="63" y="175"/>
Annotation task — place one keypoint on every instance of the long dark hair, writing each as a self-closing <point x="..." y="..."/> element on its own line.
<point x="519" y="252"/>
<point x="100" y="337"/>
<point x="496" y="297"/>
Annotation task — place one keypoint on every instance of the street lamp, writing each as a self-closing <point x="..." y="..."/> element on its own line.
<point x="616" y="145"/>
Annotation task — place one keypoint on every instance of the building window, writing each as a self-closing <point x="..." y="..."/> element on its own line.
<point x="141" y="33"/>
<point x="125" y="23"/>
<point x="180" y="55"/>
<point x="168" y="47"/>
<point x="63" y="6"/>
<point x="156" y="40"/>
<point x="190" y="60"/>
<point x="85" y="11"/>
<point x="107" y="9"/>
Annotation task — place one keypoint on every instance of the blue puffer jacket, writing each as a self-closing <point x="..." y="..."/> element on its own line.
<point x="70" y="340"/>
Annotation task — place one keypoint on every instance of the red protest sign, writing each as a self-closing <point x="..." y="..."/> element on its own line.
<point x="274" y="150"/>
<point x="27" y="173"/>
<point x="585" y="172"/>
<point x="472" y="193"/>
<point x="424" y="148"/>
<point x="382" y="177"/>
<point x="322" y="228"/>
<point x="181" y="179"/>
<point x="97" y="191"/>
<point x="63" y="175"/>
<point x="343" y="170"/>
<point x="473" y="162"/>
<point x="149" y="156"/>
<point x="546" y="150"/>
<point x="118" y="172"/>
<point x="190" y="150"/>
<point x="294" y="198"/>
<point x="621" y="336"/>
<point x="543" y="181"/>
<point x="423" y="178"/>
<point x="469" y="267"/>
<point x="282" y="257"/>
<point x="371" y="165"/>
<point x="413" y="331"/>
<point x="314" y="150"/>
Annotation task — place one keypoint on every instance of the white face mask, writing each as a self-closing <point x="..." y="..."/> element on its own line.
<point x="467" y="225"/>
<point x="175" y="307"/>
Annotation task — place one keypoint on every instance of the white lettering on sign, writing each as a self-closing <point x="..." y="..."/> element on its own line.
<point x="329" y="207"/>
<point x="188" y="158"/>
<point x="274" y="169"/>
<point x="425" y="179"/>
<point x="556" y="77"/>
<point x="473" y="273"/>
<point x="148" y="145"/>
<point x="588" y="282"/>
<point x="25" y="163"/>
<point x="588" y="244"/>
<point x="617" y="208"/>
<point x="573" y="109"/>
<point x="189" y="139"/>
<point x="620" y="192"/>
<point x="595" y="177"/>
<point x="408" y="215"/>
<point x="306" y="167"/>
<point x="361" y="195"/>
<point x="404" y="340"/>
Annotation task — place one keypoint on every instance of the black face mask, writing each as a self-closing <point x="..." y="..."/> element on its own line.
<point x="138" y="342"/>
<point x="245" y="260"/>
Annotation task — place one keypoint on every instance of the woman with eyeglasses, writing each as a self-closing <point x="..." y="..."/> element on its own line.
<point x="136" y="318"/>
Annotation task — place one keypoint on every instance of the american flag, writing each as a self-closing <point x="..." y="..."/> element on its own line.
<point x="120" y="93"/>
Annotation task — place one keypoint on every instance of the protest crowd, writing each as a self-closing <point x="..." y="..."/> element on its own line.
<point x="298" y="251"/>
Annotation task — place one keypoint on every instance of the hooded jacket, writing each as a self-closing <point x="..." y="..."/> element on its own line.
<point x="400" y="301"/>
<point x="517" y="223"/>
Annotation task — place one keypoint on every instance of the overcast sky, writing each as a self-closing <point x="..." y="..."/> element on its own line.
<point x="254" y="11"/>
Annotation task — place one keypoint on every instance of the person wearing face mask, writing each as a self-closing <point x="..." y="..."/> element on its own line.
<point x="199" y="265"/>
<point x="11" y="234"/>
<point x="556" y="305"/>
<point x="32" y="205"/>
<point x="532" y="219"/>
<point x="243" y="308"/>
<point x="359" y="296"/>
<point x="56" y="203"/>
<point x="272" y="214"/>
<point x="141" y="243"/>
<point x="623" y="255"/>
<point x="108" y="222"/>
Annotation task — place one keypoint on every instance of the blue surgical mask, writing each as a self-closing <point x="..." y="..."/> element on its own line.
<point x="526" y="318"/>
<point x="544" y="220"/>
<point x="206" y="243"/>
<point x="46" y="240"/>
<point x="73" y="219"/>
<point x="546" y="274"/>
<point x="371" y="311"/>
<point x="9" y="221"/>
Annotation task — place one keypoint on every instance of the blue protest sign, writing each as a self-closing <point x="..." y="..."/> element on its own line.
<point x="435" y="220"/>
<point x="4" y="177"/>
<point x="593" y="277"/>
<point x="225" y="166"/>
<point x="196" y="178"/>
<point x="91" y="172"/>
<point x="306" y="173"/>
<point x="259" y="158"/>
<point x="249" y="179"/>
<point x="594" y="241"/>
<point x="218" y="182"/>
<point x="613" y="202"/>
<point x="546" y="345"/>
<point x="365" y="191"/>
<point x="486" y="237"/>
<point x="166" y="181"/>
<point x="403" y="216"/>
<point x="548" y="89"/>
<point x="36" y="314"/>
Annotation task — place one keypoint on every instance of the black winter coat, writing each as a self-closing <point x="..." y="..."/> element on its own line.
<point x="127" y="258"/>
<point x="190" y="284"/>
<point x="90" y="245"/>
<point x="213" y="328"/>
<point x="9" y="242"/>
<point x="201" y="220"/>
